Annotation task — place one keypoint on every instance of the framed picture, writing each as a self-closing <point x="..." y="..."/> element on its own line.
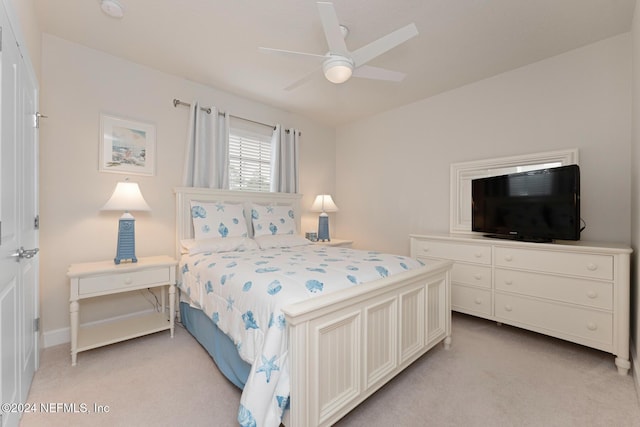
<point x="127" y="146"/>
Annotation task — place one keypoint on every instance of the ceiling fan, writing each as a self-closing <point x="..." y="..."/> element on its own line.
<point x="339" y="64"/>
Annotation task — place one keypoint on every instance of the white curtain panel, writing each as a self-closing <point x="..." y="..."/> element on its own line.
<point x="207" y="149"/>
<point x="284" y="171"/>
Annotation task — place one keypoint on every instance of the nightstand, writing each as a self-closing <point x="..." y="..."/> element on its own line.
<point x="95" y="279"/>
<point x="336" y="242"/>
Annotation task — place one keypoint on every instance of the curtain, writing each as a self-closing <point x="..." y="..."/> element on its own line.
<point x="207" y="149"/>
<point x="284" y="171"/>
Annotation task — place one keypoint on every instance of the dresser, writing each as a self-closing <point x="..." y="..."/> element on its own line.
<point x="576" y="291"/>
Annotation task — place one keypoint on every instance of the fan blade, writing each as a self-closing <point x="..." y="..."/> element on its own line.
<point x="376" y="73"/>
<point x="290" y="53"/>
<point x="376" y="48"/>
<point x="302" y="81"/>
<point x="332" y="31"/>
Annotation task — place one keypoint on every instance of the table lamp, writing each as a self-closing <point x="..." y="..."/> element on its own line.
<point x="323" y="203"/>
<point x="126" y="197"/>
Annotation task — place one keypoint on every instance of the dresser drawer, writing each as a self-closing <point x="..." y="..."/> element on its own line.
<point x="118" y="282"/>
<point x="453" y="251"/>
<point x="471" y="274"/>
<point x="582" y="325"/>
<point x="568" y="289"/>
<point x="471" y="300"/>
<point x="575" y="264"/>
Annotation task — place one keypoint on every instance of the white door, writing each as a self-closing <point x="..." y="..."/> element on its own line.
<point x="9" y="239"/>
<point x="18" y="207"/>
<point x="28" y="222"/>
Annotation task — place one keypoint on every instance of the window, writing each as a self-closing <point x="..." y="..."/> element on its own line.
<point x="249" y="160"/>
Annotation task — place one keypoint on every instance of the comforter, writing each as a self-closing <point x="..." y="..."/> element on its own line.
<point x="244" y="293"/>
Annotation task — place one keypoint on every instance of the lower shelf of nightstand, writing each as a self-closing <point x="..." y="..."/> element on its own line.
<point x="120" y="330"/>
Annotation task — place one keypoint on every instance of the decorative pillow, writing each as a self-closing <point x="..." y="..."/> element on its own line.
<point x="218" y="244"/>
<point x="269" y="241"/>
<point x="272" y="220"/>
<point x="213" y="219"/>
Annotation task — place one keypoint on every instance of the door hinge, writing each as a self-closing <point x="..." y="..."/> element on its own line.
<point x="36" y="222"/>
<point x="38" y="117"/>
<point x="36" y="324"/>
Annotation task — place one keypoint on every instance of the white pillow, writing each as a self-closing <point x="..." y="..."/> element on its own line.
<point x="218" y="244"/>
<point x="213" y="219"/>
<point x="273" y="220"/>
<point x="269" y="241"/>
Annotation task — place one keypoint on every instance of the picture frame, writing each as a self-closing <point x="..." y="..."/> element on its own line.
<point x="127" y="146"/>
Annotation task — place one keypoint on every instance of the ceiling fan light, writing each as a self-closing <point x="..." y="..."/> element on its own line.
<point x="338" y="70"/>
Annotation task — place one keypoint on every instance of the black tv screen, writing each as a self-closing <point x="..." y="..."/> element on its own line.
<point x="541" y="205"/>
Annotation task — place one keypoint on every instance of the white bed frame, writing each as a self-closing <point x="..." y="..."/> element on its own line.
<point x="345" y="345"/>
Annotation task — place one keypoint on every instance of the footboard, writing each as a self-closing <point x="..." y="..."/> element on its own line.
<point x="346" y="345"/>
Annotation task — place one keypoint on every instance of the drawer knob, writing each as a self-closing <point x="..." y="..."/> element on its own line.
<point x="478" y="254"/>
<point x="425" y="250"/>
<point x="477" y="276"/>
<point x="592" y="267"/>
<point x="128" y="280"/>
<point x="478" y="301"/>
<point x="508" y="258"/>
<point x="508" y="282"/>
<point x="592" y="294"/>
<point x="508" y="308"/>
<point x="592" y="326"/>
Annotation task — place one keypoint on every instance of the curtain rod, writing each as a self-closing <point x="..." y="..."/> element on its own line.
<point x="208" y="110"/>
<point x="177" y="102"/>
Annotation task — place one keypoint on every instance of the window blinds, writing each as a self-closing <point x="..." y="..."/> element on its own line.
<point x="249" y="160"/>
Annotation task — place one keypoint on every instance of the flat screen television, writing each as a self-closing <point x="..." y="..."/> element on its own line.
<point x="540" y="206"/>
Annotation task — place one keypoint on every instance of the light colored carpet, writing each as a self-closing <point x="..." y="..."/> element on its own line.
<point x="492" y="376"/>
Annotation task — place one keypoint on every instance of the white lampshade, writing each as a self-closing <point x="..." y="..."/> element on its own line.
<point x="126" y="197"/>
<point x="337" y="70"/>
<point x="324" y="203"/>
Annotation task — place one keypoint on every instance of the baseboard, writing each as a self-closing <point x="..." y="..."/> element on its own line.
<point x="63" y="335"/>
<point x="57" y="337"/>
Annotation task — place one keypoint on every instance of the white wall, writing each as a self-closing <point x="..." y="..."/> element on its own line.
<point x="393" y="168"/>
<point x="635" y="200"/>
<point x="77" y="85"/>
<point x="29" y="31"/>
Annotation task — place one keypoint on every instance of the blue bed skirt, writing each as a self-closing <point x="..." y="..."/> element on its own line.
<point x="218" y="345"/>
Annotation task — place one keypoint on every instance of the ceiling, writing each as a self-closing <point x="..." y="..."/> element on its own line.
<point x="215" y="43"/>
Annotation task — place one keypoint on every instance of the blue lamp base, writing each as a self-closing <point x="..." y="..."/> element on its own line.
<point x="126" y="240"/>
<point x="323" y="228"/>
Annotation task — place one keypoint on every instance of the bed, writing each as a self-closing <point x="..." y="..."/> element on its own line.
<point x="339" y="342"/>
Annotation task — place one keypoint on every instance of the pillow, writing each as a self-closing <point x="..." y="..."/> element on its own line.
<point x="218" y="244"/>
<point x="269" y="241"/>
<point x="213" y="219"/>
<point x="272" y="220"/>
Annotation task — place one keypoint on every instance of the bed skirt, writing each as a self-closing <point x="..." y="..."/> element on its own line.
<point x="218" y="345"/>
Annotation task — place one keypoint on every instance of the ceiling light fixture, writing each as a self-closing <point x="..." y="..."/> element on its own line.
<point x="113" y="8"/>
<point x="338" y="69"/>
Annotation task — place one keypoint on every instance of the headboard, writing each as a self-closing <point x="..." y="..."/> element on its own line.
<point x="184" y="196"/>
